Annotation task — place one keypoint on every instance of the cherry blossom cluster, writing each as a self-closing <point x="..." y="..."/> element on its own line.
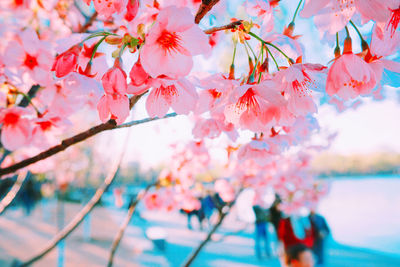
<point x="63" y="59"/>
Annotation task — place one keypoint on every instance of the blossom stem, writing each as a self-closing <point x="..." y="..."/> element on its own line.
<point x="270" y="44"/>
<point x="97" y="34"/>
<point x="347" y="31"/>
<point x="337" y="48"/>
<point x="122" y="50"/>
<point x="262" y="60"/>
<point x="273" y="58"/>
<point x="234" y="54"/>
<point x="30" y="102"/>
<point x="297" y="10"/>
<point x="364" y="44"/>
<point x="251" y="49"/>
<point x="253" y="73"/>
<point x="95" y="49"/>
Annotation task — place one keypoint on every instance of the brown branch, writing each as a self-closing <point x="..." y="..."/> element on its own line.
<point x="88" y="23"/>
<point x="80" y="216"/>
<point x="229" y="26"/>
<point x="111" y="124"/>
<point x="222" y="216"/>
<point x="8" y="199"/>
<point x="125" y="224"/>
<point x="205" y="7"/>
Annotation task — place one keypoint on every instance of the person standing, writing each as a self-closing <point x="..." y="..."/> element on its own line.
<point x="261" y="232"/>
<point x="299" y="256"/>
<point x="320" y="231"/>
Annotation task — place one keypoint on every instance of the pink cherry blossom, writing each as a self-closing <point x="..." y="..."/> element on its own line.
<point x="332" y="16"/>
<point x="296" y="82"/>
<point x="263" y="11"/>
<point x="31" y="55"/>
<point x="138" y="75"/>
<point x="108" y="7"/>
<point x="350" y="76"/>
<point x="114" y="81"/>
<point x="132" y="9"/>
<point x="178" y="94"/>
<point x="113" y="106"/>
<point x="17" y="128"/>
<point x="171" y="43"/>
<point x="254" y="107"/>
<point x="66" y="62"/>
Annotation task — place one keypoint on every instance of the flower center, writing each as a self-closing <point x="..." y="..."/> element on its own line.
<point x="167" y="92"/>
<point x="30" y="61"/>
<point x="248" y="101"/>
<point x="11" y="119"/>
<point x="18" y="2"/>
<point x="45" y="125"/>
<point x="301" y="88"/>
<point x="353" y="83"/>
<point x="344" y="8"/>
<point x="169" y="41"/>
<point x="214" y="93"/>
<point x="394" y="21"/>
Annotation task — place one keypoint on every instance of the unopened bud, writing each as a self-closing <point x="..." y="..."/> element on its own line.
<point x="337" y="51"/>
<point x="232" y="72"/>
<point x="113" y="40"/>
<point x="347" y="46"/>
<point x="364" y="45"/>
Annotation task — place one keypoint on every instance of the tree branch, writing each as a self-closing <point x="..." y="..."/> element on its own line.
<point x="222" y="216"/>
<point x="229" y="26"/>
<point x="8" y="199"/>
<point x="88" y="23"/>
<point x="109" y="125"/>
<point x="80" y="216"/>
<point x="205" y="6"/>
<point x="125" y="224"/>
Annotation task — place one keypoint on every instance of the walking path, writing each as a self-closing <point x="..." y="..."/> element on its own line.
<point x="22" y="236"/>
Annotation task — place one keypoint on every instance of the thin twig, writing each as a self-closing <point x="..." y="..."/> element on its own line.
<point x="80" y="216"/>
<point x="205" y="6"/>
<point x="125" y="224"/>
<point x="229" y="26"/>
<point x="109" y="125"/>
<point x="88" y="23"/>
<point x="222" y="216"/>
<point x="8" y="199"/>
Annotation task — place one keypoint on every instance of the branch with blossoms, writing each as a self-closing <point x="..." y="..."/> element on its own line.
<point x="74" y="140"/>
<point x="270" y="89"/>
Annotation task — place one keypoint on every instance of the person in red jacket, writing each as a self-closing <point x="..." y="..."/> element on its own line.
<point x="295" y="230"/>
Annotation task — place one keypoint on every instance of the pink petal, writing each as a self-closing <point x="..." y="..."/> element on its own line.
<point x="312" y="7"/>
<point x="15" y="137"/>
<point x="156" y="104"/>
<point x="391" y="65"/>
<point x="186" y="99"/>
<point x="156" y="61"/>
<point x="195" y="40"/>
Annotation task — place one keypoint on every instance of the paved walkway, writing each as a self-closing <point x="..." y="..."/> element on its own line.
<point x="22" y="236"/>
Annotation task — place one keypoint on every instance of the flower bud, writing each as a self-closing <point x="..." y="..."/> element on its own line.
<point x="66" y="62"/>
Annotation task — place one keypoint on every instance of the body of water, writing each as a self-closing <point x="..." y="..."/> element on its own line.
<point x="364" y="212"/>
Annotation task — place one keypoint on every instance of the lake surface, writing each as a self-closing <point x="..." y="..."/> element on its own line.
<point x="364" y="212"/>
